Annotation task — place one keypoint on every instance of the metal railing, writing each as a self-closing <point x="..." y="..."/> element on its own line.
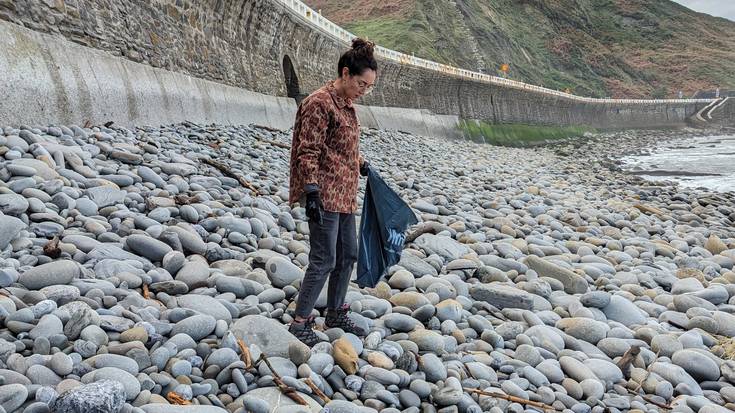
<point x="343" y="35"/>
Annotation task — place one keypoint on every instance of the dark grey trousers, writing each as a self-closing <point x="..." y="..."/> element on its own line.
<point x="333" y="254"/>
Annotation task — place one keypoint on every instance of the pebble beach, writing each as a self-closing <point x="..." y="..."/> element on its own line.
<point x="155" y="270"/>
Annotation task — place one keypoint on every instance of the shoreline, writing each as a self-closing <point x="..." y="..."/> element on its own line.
<point x="672" y="160"/>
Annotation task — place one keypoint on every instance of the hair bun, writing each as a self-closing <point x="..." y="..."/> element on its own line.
<point x="363" y="46"/>
<point x="358" y="59"/>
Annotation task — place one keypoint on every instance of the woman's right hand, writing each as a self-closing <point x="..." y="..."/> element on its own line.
<point x="314" y="206"/>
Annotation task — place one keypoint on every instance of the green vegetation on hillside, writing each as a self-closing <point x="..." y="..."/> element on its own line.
<point x="617" y="48"/>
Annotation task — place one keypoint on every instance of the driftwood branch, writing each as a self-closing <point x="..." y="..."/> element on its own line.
<point x="279" y="144"/>
<point x="190" y="124"/>
<point x="176" y="399"/>
<point x="51" y="249"/>
<point x="637" y="389"/>
<point x="288" y="391"/>
<point x="625" y="362"/>
<point x="274" y="143"/>
<point x="268" y="128"/>
<point x="513" y="399"/>
<point x="268" y="141"/>
<point x="648" y="209"/>
<point x="229" y="172"/>
<point x="317" y="390"/>
<point x="245" y="354"/>
<point x="648" y="374"/>
<point x="650" y="400"/>
<point x="427" y="227"/>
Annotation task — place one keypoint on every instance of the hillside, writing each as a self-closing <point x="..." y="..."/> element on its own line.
<point x="617" y="48"/>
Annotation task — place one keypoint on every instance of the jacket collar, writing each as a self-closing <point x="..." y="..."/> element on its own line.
<point x="338" y="100"/>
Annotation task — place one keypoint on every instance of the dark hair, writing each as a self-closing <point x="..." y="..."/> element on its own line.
<point x="359" y="58"/>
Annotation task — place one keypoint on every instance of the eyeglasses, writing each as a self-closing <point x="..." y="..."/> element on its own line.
<point x="365" y="86"/>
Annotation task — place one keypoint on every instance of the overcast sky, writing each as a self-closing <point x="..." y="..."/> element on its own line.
<point x="720" y="8"/>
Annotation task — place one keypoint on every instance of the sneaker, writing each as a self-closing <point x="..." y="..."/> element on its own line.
<point x="338" y="319"/>
<point x="304" y="332"/>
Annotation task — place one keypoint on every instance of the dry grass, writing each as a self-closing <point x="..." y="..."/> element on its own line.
<point x="725" y="347"/>
<point x="346" y="12"/>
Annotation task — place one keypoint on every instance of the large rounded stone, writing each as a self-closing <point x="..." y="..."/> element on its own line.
<point x="427" y="340"/>
<point x="114" y="360"/>
<point x="401" y="280"/>
<point x="10" y="227"/>
<point x="128" y="381"/>
<point x="699" y="366"/>
<point x="104" y="196"/>
<point x="48" y="326"/>
<point x="676" y="375"/>
<point x="241" y="287"/>
<point x="194" y="274"/>
<point x="52" y="273"/>
<point x="596" y="299"/>
<point x="283" y="367"/>
<point x="189" y="238"/>
<point x="197" y="327"/>
<point x="449" y="310"/>
<point x="274" y="398"/>
<point x="175" y="408"/>
<point x="573" y="283"/>
<point x="543" y="336"/>
<point x="222" y="357"/>
<point x="400" y="322"/>
<point x="715" y="245"/>
<point x="13" y="204"/>
<point x="345" y="355"/>
<point x="503" y="296"/>
<point x="61" y="364"/>
<point x="205" y="305"/>
<point x="100" y="396"/>
<point x="528" y="354"/>
<point x="586" y="329"/>
<point x="623" y="311"/>
<point x="433" y="367"/>
<point x="12" y="396"/>
<point x="409" y="299"/>
<point x="604" y="370"/>
<point x="443" y="246"/>
<point x="267" y="333"/>
<point x="576" y="369"/>
<point x="148" y="247"/>
<point x="282" y="272"/>
<point x="42" y="375"/>
<point x="665" y="345"/>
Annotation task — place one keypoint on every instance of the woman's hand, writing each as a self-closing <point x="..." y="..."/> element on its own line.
<point x="364" y="168"/>
<point x="314" y="206"/>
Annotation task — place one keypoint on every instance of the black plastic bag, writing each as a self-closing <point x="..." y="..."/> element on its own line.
<point x="385" y="218"/>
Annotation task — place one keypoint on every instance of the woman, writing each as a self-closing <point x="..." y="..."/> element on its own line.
<point x="325" y="163"/>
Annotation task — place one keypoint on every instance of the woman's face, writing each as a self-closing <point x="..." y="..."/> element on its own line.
<point x="356" y="86"/>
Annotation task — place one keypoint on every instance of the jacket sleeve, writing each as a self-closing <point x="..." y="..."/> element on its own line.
<point x="313" y="130"/>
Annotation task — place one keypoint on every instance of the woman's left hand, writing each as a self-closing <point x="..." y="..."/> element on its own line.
<point x="364" y="168"/>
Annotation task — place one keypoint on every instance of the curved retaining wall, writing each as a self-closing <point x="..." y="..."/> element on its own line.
<point x="723" y="113"/>
<point x="47" y="80"/>
<point x="173" y="60"/>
